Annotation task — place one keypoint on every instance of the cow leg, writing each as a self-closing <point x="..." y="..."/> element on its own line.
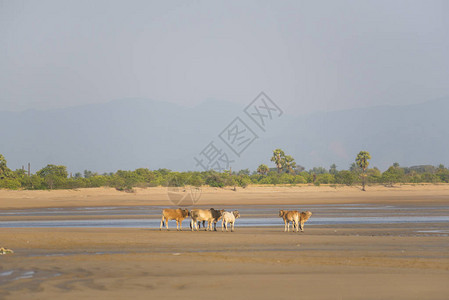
<point x="196" y="225"/>
<point x="166" y="223"/>
<point x="232" y="227"/>
<point x="285" y="225"/>
<point x="162" y="223"/>
<point x="222" y="225"/>
<point x="180" y="225"/>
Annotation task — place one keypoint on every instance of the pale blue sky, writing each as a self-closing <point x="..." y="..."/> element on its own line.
<point x="307" y="55"/>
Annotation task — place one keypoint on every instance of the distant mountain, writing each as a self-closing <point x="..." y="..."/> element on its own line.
<point x="133" y="133"/>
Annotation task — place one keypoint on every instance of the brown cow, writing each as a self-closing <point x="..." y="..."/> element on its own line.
<point x="216" y="214"/>
<point x="303" y="217"/>
<point x="293" y="216"/>
<point x="200" y="215"/>
<point x="174" y="214"/>
<point x="289" y="216"/>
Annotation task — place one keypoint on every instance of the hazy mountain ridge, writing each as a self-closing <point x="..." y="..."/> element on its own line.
<point x="132" y="133"/>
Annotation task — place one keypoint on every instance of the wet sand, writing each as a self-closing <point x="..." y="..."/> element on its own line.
<point x="388" y="261"/>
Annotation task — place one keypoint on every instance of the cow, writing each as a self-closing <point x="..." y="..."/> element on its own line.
<point x="303" y="217"/>
<point x="216" y="214"/>
<point x="229" y="217"/>
<point x="289" y="216"/>
<point x="200" y="215"/>
<point x="174" y="214"/>
<point x="293" y="216"/>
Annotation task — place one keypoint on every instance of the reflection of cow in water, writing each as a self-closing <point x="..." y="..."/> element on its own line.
<point x="210" y="216"/>
<point x="174" y="214"/>
<point x="293" y="216"/>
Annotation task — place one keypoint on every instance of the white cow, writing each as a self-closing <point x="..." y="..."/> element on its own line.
<point x="229" y="217"/>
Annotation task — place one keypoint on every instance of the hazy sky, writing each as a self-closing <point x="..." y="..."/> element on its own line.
<point x="307" y="55"/>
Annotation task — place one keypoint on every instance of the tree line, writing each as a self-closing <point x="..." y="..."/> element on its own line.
<point x="284" y="171"/>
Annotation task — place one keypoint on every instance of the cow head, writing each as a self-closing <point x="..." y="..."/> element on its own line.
<point x="236" y="214"/>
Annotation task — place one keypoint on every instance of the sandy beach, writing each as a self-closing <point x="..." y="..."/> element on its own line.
<point x="252" y="195"/>
<point x="386" y="261"/>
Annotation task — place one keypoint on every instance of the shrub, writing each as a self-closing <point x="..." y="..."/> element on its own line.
<point x="325" y="178"/>
<point x="345" y="177"/>
<point x="215" y="180"/>
<point x="300" y="179"/>
<point x="10" y="183"/>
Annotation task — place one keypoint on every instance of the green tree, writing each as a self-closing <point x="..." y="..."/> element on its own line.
<point x="262" y="169"/>
<point x="333" y="169"/>
<point x="318" y="170"/>
<point x="278" y="159"/>
<point x="393" y="175"/>
<point x="345" y="177"/>
<point x="88" y="174"/>
<point x="289" y="164"/>
<point x="286" y="178"/>
<point x="215" y="180"/>
<point x="373" y="175"/>
<point x="363" y="163"/>
<point x="4" y="170"/>
<point x="54" y="176"/>
<point x="325" y="178"/>
<point x="300" y="179"/>
<point x="244" y="172"/>
<point x="443" y="173"/>
<point x="355" y="168"/>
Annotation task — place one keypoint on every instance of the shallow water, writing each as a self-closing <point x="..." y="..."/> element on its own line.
<point x="152" y="223"/>
<point x="263" y="215"/>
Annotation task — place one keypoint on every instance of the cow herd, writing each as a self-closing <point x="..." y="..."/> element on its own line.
<point x="212" y="216"/>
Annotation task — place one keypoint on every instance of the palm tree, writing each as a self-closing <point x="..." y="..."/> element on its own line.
<point x="362" y="162"/>
<point x="278" y="159"/>
<point x="262" y="169"/>
<point x="289" y="164"/>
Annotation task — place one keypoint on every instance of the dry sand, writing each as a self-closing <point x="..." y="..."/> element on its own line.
<point x="324" y="262"/>
<point x="252" y="195"/>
